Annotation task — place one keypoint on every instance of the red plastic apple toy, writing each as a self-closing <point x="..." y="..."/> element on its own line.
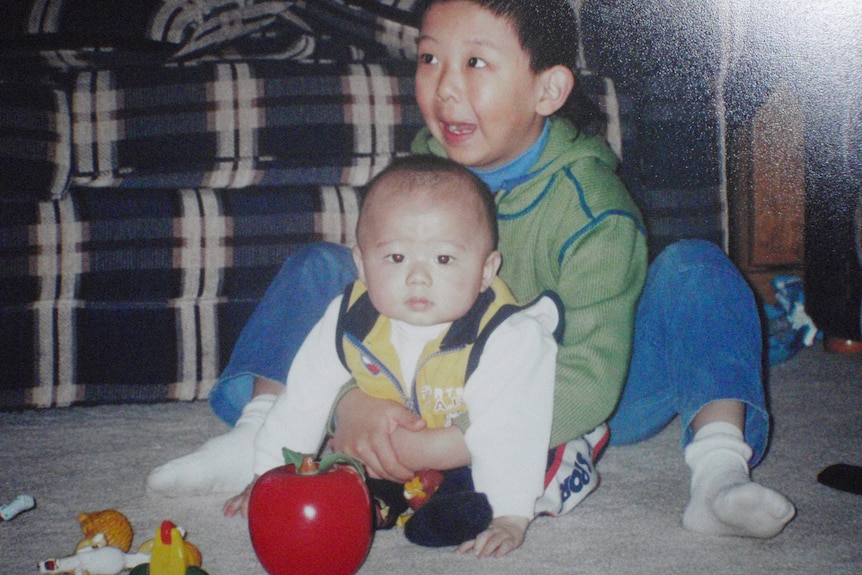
<point x="305" y="517"/>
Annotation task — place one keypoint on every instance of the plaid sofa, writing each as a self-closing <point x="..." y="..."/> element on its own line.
<point x="161" y="158"/>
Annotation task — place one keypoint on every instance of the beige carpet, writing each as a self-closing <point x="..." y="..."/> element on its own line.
<point x="88" y="459"/>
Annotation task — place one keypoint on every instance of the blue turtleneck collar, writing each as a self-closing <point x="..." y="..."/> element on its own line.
<point x="495" y="178"/>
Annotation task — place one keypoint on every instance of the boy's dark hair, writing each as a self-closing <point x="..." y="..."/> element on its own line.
<point x="435" y="165"/>
<point x="547" y="30"/>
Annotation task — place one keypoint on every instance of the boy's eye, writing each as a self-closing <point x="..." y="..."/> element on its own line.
<point x="444" y="259"/>
<point x="397" y="258"/>
<point x="475" y="62"/>
<point x="427" y="59"/>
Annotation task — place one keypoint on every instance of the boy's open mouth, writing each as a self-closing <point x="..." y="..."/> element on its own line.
<point x="459" y="129"/>
<point x="457" y="133"/>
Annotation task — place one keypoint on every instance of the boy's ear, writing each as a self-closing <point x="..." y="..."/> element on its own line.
<point x="555" y="83"/>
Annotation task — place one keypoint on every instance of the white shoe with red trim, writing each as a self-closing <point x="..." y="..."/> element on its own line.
<point x="572" y="473"/>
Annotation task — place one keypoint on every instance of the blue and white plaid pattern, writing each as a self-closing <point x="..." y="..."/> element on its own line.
<point x="231" y="125"/>
<point x="35" y="142"/>
<point x="148" y="195"/>
<point x="128" y="295"/>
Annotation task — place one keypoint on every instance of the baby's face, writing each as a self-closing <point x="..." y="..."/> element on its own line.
<point x="475" y="87"/>
<point x="424" y="253"/>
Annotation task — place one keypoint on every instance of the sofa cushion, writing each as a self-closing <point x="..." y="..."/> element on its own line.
<point x="320" y="31"/>
<point x="79" y="33"/>
<point x="238" y="124"/>
<point x="97" y="21"/>
<point x="139" y="295"/>
<point x="35" y="141"/>
<point x="110" y="33"/>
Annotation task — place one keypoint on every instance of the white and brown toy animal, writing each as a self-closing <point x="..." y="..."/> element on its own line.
<point x="95" y="560"/>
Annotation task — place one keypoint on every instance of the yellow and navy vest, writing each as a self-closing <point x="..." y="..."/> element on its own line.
<point x="437" y="392"/>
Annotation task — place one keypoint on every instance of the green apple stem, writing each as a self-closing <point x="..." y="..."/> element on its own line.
<point x="305" y="464"/>
<point x="343" y="459"/>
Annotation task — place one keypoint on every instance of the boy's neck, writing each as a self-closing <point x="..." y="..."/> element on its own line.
<point x="495" y="177"/>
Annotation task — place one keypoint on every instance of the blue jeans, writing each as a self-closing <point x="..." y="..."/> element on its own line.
<point x="293" y="303"/>
<point x="697" y="339"/>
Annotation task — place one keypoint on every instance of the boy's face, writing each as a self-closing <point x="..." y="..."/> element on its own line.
<point x="422" y="253"/>
<point x="474" y="85"/>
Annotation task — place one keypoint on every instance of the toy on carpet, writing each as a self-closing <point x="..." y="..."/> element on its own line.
<point x="99" y="559"/>
<point x="789" y="326"/>
<point x="112" y="524"/>
<point x="309" y="517"/>
<point x="170" y="554"/>
<point x="17" y="506"/>
<point x="107" y="539"/>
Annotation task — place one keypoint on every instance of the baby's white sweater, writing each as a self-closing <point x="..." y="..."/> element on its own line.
<point x="509" y="400"/>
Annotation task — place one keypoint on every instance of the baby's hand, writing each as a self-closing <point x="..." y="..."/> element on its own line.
<point x="503" y="535"/>
<point x="239" y="503"/>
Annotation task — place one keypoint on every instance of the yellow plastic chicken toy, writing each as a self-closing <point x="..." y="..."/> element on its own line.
<point x="170" y="554"/>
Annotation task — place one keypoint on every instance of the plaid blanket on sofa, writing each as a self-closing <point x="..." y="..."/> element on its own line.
<point x="131" y="295"/>
<point x="187" y="191"/>
<point x="154" y="184"/>
<point x="162" y="169"/>
<point x="240" y="124"/>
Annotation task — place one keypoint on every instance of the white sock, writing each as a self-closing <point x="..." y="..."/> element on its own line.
<point x="224" y="464"/>
<point x="724" y="499"/>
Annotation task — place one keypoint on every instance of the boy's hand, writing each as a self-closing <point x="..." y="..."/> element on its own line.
<point x="503" y="535"/>
<point x="364" y="430"/>
<point x="239" y="503"/>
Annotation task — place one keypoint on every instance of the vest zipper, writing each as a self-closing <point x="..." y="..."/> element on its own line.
<point x="415" y="408"/>
<point x="399" y="387"/>
<point x="413" y="405"/>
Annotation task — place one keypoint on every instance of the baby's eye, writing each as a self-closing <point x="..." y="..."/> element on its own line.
<point x="444" y="259"/>
<point x="427" y="59"/>
<point x="476" y="62"/>
<point x="396" y="258"/>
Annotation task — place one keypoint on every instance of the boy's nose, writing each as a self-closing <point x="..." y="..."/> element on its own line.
<point x="448" y="85"/>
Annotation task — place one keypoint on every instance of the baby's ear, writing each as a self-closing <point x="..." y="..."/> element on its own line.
<point x="357" y="259"/>
<point x="490" y="269"/>
<point x="555" y="83"/>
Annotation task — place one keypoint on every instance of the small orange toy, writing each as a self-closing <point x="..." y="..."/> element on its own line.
<point x="110" y="522"/>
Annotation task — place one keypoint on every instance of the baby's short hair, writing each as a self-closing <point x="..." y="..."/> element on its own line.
<point x="427" y="169"/>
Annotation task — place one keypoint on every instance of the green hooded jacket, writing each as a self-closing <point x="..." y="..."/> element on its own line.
<point x="570" y="226"/>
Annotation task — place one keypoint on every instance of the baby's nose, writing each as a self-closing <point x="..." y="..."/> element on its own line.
<point x="418" y="275"/>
